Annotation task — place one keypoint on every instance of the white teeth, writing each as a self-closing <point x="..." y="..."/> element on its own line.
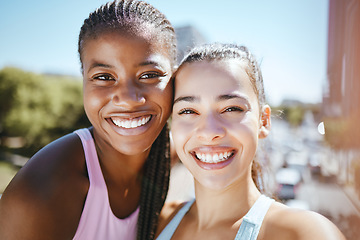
<point x="132" y="123"/>
<point x="215" y="158"/>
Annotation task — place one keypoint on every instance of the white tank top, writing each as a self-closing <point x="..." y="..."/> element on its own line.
<point x="249" y="228"/>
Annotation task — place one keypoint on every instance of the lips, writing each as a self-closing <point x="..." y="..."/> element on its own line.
<point x="129" y="123"/>
<point x="213" y="158"/>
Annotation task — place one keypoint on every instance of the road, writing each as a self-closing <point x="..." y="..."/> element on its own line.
<point x="326" y="197"/>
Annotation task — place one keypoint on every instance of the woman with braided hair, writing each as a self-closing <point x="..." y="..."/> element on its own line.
<point x="108" y="181"/>
<point x="219" y="115"/>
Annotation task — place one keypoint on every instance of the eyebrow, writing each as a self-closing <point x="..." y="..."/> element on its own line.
<point x="157" y="64"/>
<point x="103" y="65"/>
<point x="98" y="64"/>
<point x="231" y="96"/>
<point x="219" y="98"/>
<point x="149" y="62"/>
<point x="185" y="99"/>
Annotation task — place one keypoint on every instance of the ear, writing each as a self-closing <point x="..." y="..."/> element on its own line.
<point x="265" y="121"/>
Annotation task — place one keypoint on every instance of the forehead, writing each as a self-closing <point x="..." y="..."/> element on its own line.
<point x="123" y="46"/>
<point x="213" y="78"/>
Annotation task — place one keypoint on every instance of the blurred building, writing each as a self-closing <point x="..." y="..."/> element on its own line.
<point x="341" y="98"/>
<point x="343" y="67"/>
<point x="187" y="38"/>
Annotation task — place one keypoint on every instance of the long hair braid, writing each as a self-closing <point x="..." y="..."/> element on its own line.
<point x="154" y="186"/>
<point x="138" y="17"/>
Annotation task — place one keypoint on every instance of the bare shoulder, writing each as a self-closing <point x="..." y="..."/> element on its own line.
<point x="283" y="222"/>
<point x="46" y="194"/>
<point x="167" y="213"/>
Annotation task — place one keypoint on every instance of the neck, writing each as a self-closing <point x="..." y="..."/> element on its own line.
<point x="229" y="204"/>
<point x="118" y="167"/>
<point x="123" y="176"/>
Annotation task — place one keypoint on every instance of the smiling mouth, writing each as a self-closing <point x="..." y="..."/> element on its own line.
<point x="131" y="123"/>
<point x="214" y="157"/>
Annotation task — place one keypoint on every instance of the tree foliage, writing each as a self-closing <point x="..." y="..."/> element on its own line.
<point x="292" y="114"/>
<point x="39" y="108"/>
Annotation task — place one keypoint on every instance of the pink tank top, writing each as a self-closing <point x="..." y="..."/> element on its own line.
<point x="97" y="219"/>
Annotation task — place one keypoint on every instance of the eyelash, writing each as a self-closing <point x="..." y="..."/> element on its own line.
<point x="186" y="111"/>
<point x="151" y="75"/>
<point x="145" y="76"/>
<point x="229" y="109"/>
<point x="104" y="77"/>
<point x="233" y="109"/>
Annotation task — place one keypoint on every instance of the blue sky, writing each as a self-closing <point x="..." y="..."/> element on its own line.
<point x="288" y="37"/>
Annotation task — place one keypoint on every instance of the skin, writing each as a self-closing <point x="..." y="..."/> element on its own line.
<point x="122" y="82"/>
<point x="216" y="111"/>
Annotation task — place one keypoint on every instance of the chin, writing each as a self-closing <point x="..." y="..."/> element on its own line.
<point x="132" y="150"/>
<point x="215" y="183"/>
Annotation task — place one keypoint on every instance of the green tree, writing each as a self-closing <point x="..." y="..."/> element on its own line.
<point x="39" y="108"/>
<point x="292" y="114"/>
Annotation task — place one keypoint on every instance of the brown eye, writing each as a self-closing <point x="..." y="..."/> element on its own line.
<point x="151" y="77"/>
<point x="234" y="109"/>
<point x="104" y="77"/>
<point x="186" y="111"/>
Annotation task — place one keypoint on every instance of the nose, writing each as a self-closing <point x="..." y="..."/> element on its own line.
<point x="210" y="129"/>
<point x="128" y="96"/>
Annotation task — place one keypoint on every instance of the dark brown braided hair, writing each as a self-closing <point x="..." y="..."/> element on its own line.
<point x="222" y="51"/>
<point x="136" y="17"/>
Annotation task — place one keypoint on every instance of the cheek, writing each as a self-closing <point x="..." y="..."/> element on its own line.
<point x="182" y="133"/>
<point x="178" y="134"/>
<point x="247" y="134"/>
<point x="163" y="98"/>
<point x="94" y="100"/>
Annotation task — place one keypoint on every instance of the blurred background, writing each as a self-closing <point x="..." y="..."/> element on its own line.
<point x="309" y="53"/>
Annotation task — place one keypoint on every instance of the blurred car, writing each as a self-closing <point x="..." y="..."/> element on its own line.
<point x="315" y="161"/>
<point x="288" y="180"/>
<point x="298" y="161"/>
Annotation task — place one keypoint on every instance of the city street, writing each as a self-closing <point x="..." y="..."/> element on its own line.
<point x="325" y="196"/>
<point x="319" y="194"/>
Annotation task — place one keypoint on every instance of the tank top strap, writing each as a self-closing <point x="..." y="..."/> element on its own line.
<point x="170" y="229"/>
<point x="97" y="219"/>
<point x="91" y="158"/>
<point x="250" y="226"/>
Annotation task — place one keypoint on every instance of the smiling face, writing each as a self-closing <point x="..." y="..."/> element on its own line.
<point x="127" y="90"/>
<point x="216" y="121"/>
